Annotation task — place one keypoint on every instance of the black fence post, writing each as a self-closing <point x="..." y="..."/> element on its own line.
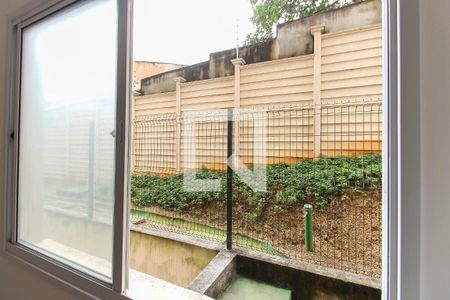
<point x="230" y="180"/>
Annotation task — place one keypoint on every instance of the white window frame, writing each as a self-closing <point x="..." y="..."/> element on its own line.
<point x="401" y="269"/>
<point x="57" y="269"/>
<point x="401" y="150"/>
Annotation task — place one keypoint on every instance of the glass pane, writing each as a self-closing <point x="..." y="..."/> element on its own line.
<point x="67" y="144"/>
<point x="284" y="97"/>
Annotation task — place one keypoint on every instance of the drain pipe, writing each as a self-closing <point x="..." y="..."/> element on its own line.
<point x="308" y="222"/>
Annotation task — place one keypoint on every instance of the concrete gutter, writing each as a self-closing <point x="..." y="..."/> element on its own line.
<point x="311" y="268"/>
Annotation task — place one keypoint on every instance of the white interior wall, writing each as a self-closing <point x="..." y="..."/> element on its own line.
<point x="435" y="145"/>
<point x="23" y="283"/>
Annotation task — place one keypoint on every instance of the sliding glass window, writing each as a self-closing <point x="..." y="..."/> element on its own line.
<point x="66" y="162"/>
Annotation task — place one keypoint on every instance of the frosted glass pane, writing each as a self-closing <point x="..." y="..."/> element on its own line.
<point x="67" y="144"/>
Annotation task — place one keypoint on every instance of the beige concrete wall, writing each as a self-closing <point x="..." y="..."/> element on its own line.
<point x="281" y="82"/>
<point x="352" y="65"/>
<point x="172" y="261"/>
<point x="207" y="94"/>
<point x="156" y="104"/>
<point x="331" y="103"/>
<point x="351" y="69"/>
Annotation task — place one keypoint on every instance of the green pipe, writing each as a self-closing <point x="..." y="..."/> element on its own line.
<point x="307" y="214"/>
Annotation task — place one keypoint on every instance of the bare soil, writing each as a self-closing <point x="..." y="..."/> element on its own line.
<point x="347" y="233"/>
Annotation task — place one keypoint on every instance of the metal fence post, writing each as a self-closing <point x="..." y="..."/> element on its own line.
<point x="230" y="180"/>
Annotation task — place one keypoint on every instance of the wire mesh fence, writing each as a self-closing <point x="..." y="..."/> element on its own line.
<point x="158" y="194"/>
<point x="327" y="156"/>
<point x="154" y="144"/>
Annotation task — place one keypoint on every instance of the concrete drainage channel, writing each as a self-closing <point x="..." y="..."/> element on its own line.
<point x="245" y="274"/>
<point x="242" y="275"/>
<point x="219" y="280"/>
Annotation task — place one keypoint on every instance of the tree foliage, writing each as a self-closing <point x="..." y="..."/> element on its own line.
<point x="268" y="13"/>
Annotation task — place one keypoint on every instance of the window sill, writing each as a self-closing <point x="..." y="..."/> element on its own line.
<point x="59" y="273"/>
<point x="142" y="286"/>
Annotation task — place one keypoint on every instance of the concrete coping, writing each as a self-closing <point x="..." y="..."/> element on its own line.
<point x="317" y="28"/>
<point x="179" y="79"/>
<point x="217" y="275"/>
<point x="177" y="237"/>
<point x="238" y="61"/>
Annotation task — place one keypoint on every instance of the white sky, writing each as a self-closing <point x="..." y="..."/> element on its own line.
<point x="186" y="31"/>
<point x="52" y="53"/>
